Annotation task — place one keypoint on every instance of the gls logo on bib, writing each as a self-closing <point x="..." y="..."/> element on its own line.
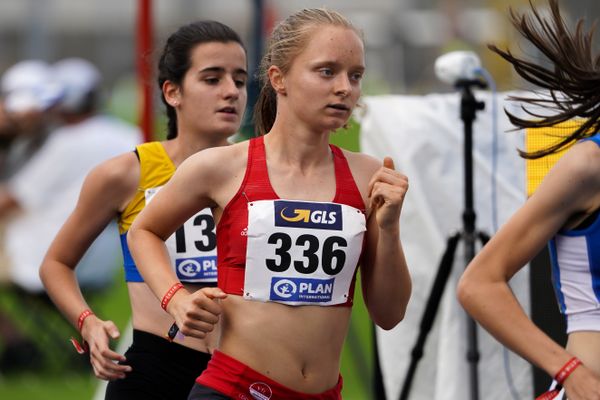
<point x="295" y="214"/>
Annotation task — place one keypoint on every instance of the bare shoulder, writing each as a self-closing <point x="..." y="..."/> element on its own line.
<point x="582" y="161"/>
<point x="590" y="155"/>
<point x="574" y="182"/>
<point x="220" y="169"/>
<point x="121" y="170"/>
<point x="116" y="179"/>
<point x="586" y="164"/>
<point x="218" y="161"/>
<point x="363" y="166"/>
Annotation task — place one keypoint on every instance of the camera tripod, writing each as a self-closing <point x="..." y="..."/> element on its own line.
<point x="468" y="108"/>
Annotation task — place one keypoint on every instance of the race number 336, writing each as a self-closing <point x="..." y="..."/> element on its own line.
<point x="302" y="252"/>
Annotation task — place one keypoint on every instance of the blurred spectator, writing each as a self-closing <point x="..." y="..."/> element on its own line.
<point x="45" y="190"/>
<point x="28" y="94"/>
<point x="7" y="134"/>
<point x="37" y="199"/>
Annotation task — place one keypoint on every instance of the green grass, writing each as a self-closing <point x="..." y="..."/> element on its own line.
<point x="357" y="355"/>
<point x="57" y="380"/>
<point x="347" y="138"/>
<point x="48" y="386"/>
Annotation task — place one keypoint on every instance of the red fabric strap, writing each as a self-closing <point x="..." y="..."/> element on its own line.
<point x="83" y="347"/>
<point x="84" y="314"/>
<point x="566" y="370"/>
<point x="80" y="348"/>
<point x="169" y="295"/>
<point x="549" y="395"/>
<point x="235" y="379"/>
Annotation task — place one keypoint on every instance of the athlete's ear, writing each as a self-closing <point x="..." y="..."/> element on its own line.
<point x="172" y="93"/>
<point x="277" y="79"/>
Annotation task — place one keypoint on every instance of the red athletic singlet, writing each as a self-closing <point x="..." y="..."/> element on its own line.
<point x="232" y="228"/>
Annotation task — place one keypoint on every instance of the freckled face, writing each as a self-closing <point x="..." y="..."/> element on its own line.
<point x="323" y="84"/>
<point x="213" y="91"/>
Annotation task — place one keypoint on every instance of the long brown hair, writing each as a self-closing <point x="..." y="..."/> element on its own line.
<point x="573" y="79"/>
<point x="175" y="59"/>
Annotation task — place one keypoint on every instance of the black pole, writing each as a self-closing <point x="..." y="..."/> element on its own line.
<point x="378" y="386"/>
<point x="255" y="55"/>
<point x="431" y="308"/>
<point x="468" y="107"/>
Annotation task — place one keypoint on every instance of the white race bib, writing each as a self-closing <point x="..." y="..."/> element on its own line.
<point x="193" y="247"/>
<point x="302" y="253"/>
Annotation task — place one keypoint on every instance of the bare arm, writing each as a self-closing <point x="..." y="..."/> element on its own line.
<point x="386" y="280"/>
<point x="571" y="188"/>
<point x="190" y="189"/>
<point x="104" y="192"/>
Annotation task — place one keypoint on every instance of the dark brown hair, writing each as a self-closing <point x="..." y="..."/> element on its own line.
<point x="573" y="78"/>
<point x="175" y="59"/>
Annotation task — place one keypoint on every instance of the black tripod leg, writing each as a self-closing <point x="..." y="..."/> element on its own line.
<point x="473" y="357"/>
<point x="431" y="308"/>
<point x="484" y="237"/>
<point x="378" y="386"/>
<point x="473" y="354"/>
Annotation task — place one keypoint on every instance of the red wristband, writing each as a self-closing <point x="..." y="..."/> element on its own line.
<point x="566" y="370"/>
<point x="86" y="313"/>
<point x="550" y="394"/>
<point x="169" y="295"/>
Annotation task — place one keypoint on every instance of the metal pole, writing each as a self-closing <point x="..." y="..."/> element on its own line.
<point x="144" y="68"/>
<point x="255" y="55"/>
<point x="468" y="107"/>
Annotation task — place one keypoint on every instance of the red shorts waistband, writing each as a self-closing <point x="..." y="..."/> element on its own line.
<point x="235" y="379"/>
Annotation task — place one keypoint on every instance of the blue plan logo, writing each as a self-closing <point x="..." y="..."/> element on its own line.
<point x="196" y="267"/>
<point x="299" y="214"/>
<point x="301" y="289"/>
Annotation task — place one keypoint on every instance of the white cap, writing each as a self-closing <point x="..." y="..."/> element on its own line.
<point x="78" y="77"/>
<point x="28" y="85"/>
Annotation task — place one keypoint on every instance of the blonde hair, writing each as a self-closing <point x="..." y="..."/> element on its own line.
<point x="287" y="41"/>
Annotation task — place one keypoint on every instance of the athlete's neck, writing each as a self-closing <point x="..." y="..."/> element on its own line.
<point x="301" y="149"/>
<point x="182" y="147"/>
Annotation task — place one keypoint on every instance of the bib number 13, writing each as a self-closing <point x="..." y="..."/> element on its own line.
<point x="332" y="256"/>
<point x="208" y="238"/>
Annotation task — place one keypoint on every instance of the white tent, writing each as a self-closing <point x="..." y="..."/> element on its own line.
<point x="424" y="135"/>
